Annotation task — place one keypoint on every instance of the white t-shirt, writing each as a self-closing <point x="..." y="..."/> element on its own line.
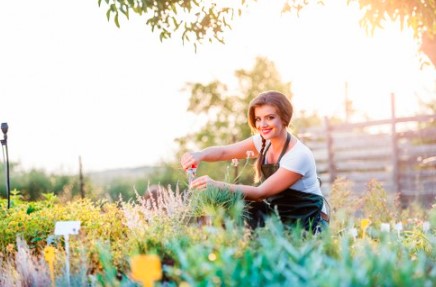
<point x="298" y="159"/>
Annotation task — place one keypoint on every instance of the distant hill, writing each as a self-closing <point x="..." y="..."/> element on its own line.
<point x="106" y="176"/>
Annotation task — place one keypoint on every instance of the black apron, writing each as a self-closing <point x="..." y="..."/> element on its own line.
<point x="292" y="206"/>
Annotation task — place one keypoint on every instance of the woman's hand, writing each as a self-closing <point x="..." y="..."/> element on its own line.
<point x="203" y="182"/>
<point x="190" y="160"/>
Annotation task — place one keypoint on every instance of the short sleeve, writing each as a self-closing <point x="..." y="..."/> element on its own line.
<point x="257" y="141"/>
<point x="298" y="160"/>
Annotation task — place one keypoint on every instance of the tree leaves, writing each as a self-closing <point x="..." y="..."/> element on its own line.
<point x="202" y="20"/>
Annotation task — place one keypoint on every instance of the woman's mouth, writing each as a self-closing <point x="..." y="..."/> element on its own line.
<point x="265" y="131"/>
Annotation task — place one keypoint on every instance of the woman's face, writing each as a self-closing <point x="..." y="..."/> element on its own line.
<point x="268" y="123"/>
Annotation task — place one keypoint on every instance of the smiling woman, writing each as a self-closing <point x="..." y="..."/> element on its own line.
<point x="286" y="178"/>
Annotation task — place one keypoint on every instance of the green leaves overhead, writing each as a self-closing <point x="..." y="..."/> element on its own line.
<point x="420" y="15"/>
<point x="196" y="21"/>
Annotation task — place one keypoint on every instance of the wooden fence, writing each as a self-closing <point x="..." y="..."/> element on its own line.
<point x="399" y="152"/>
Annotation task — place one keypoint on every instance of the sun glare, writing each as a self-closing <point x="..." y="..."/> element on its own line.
<point x="328" y="56"/>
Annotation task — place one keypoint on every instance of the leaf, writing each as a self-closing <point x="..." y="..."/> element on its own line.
<point x="116" y="20"/>
<point x="125" y="10"/>
<point x="36" y="239"/>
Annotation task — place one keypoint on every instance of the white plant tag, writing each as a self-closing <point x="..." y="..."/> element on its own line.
<point x="67" y="227"/>
<point x="385" y="227"/>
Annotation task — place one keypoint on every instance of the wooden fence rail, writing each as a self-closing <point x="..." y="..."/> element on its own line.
<point x="399" y="152"/>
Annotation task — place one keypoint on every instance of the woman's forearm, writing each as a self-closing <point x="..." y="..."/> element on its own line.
<point x="228" y="152"/>
<point x="214" y="153"/>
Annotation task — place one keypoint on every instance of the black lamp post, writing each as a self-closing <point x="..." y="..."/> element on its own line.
<point x="4" y="142"/>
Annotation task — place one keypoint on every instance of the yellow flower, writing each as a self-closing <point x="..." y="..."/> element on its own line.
<point x="49" y="254"/>
<point x="10" y="247"/>
<point x="364" y="223"/>
<point x="146" y="269"/>
<point x="212" y="256"/>
<point x="184" y="284"/>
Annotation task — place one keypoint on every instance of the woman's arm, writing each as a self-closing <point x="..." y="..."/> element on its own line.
<point x="219" y="153"/>
<point x="276" y="183"/>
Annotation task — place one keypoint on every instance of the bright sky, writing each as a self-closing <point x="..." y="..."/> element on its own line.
<point x="73" y="84"/>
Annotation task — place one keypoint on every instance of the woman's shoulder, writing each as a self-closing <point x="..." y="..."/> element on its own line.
<point x="257" y="140"/>
<point x="298" y="149"/>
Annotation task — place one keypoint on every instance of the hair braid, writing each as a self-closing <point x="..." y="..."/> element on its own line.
<point x="260" y="159"/>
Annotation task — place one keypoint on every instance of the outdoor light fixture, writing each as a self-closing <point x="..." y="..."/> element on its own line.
<point x="4" y="142"/>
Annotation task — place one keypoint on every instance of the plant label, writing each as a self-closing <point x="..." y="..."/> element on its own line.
<point x="67" y="227"/>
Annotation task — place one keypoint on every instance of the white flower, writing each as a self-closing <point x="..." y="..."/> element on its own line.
<point x="353" y="232"/>
<point x="385" y="227"/>
<point x="399" y="227"/>
<point x="425" y="226"/>
<point x="235" y="162"/>
<point x="250" y="154"/>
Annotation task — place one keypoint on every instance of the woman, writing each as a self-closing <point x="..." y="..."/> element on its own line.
<point x="285" y="167"/>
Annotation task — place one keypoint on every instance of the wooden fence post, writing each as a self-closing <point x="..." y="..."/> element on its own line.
<point x="331" y="160"/>
<point x="81" y="183"/>
<point x="395" y="149"/>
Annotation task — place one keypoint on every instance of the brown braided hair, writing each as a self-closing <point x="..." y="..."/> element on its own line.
<point x="284" y="110"/>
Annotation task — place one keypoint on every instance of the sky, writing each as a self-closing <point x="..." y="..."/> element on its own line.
<point x="73" y="84"/>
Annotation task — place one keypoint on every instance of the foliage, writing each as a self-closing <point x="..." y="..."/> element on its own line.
<point x="170" y="174"/>
<point x="34" y="183"/>
<point x="274" y="258"/>
<point x="196" y="21"/>
<point x="212" y="200"/>
<point x="377" y="205"/>
<point x="205" y="18"/>
<point x="420" y="15"/>
<point x="303" y="121"/>
<point x="29" y="270"/>
<point x="199" y="21"/>
<point x="124" y="188"/>
<point x="34" y="222"/>
<point x="343" y="204"/>
<point x="220" y="252"/>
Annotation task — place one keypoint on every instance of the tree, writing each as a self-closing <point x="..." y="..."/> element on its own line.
<point x="197" y="21"/>
<point x="420" y="15"/>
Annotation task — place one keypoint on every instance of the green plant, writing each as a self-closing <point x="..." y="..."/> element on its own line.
<point x="343" y="205"/>
<point x="209" y="201"/>
<point x="376" y="204"/>
<point x="224" y="252"/>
